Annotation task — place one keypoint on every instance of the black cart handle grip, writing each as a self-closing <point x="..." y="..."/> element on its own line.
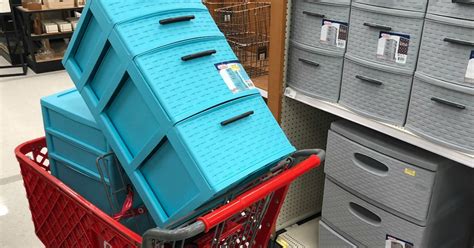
<point x="309" y="62"/>
<point x="377" y="26"/>
<point x="459" y="42"/>
<point x="177" y="19"/>
<point x="239" y="117"/>
<point x="463" y="1"/>
<point x="448" y="103"/>
<point x="369" y="80"/>
<point x="198" y="55"/>
<point x="314" y="14"/>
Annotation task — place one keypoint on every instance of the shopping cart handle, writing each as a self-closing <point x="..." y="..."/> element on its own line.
<point x="161" y="235"/>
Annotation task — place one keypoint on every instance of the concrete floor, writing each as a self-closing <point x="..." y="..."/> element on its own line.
<point x="20" y="121"/>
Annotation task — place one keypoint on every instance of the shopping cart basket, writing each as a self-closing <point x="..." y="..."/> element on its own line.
<point x="62" y="218"/>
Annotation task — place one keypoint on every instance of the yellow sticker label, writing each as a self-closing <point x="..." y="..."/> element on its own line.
<point x="282" y="242"/>
<point x="235" y="67"/>
<point x="410" y="172"/>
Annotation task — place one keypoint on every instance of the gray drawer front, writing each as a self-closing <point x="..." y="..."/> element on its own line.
<point x="446" y="49"/>
<point x="329" y="238"/>
<point x="443" y="113"/>
<point x="452" y="9"/>
<point x="386" y="101"/>
<point x="366" y="25"/>
<point x="397" y="185"/>
<point x="307" y="20"/>
<point x="364" y="222"/>
<point x="315" y="74"/>
<point x="414" y="5"/>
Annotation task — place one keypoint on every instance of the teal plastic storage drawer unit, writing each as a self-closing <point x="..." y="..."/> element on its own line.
<point x="74" y="144"/>
<point x="109" y="30"/>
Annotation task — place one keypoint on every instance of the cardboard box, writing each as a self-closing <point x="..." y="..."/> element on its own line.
<point x="57" y="4"/>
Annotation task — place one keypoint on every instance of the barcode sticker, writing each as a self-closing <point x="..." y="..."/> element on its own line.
<point x="393" y="47"/>
<point x="470" y="69"/>
<point x="334" y="33"/>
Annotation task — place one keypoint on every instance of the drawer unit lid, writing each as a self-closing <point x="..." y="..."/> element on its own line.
<point x="449" y="86"/>
<point x="388" y="145"/>
<point x="451" y="21"/>
<point x="338" y="54"/>
<point x="70" y="103"/>
<point x="377" y="66"/>
<point x="387" y="11"/>
<point x="119" y="10"/>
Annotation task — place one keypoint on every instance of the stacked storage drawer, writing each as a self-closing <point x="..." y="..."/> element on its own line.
<point x="177" y="107"/>
<point x="318" y="42"/>
<point x="74" y="144"/>
<point x="380" y="191"/>
<point x="442" y="100"/>
<point x="381" y="57"/>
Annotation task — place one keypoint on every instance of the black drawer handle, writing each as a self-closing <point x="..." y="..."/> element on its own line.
<point x="371" y="165"/>
<point x="459" y="42"/>
<point x="198" y="55"/>
<point x="313" y="14"/>
<point x="369" y="80"/>
<point x="239" y="117"/>
<point x="463" y="1"/>
<point x="177" y="19"/>
<point x="309" y="62"/>
<point x="364" y="214"/>
<point x="448" y="103"/>
<point x="377" y="26"/>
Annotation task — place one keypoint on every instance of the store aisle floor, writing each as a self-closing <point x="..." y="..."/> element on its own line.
<point x="20" y="121"/>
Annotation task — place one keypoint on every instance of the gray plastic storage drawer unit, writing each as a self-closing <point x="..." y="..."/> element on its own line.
<point x="447" y="50"/>
<point x="322" y="24"/>
<point x="374" y="90"/>
<point x="328" y="238"/>
<point x="385" y="36"/>
<point x="374" y="227"/>
<point x="406" y="180"/>
<point x="413" y="5"/>
<point x="442" y="112"/>
<point x="315" y="72"/>
<point x="462" y="9"/>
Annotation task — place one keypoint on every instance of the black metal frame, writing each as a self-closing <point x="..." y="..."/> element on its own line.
<point x="14" y="51"/>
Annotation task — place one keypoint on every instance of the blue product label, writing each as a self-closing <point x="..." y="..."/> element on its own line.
<point x="393" y="47"/>
<point x="334" y="33"/>
<point x="235" y="76"/>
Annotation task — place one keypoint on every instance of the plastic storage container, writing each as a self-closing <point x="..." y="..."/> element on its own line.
<point x="447" y="50"/>
<point x="442" y="112"/>
<point x="462" y="9"/>
<point x="322" y="24"/>
<point x="330" y="238"/>
<point x="385" y="36"/>
<point x="413" y="5"/>
<point x="377" y="91"/>
<point x="74" y="145"/>
<point x="315" y="72"/>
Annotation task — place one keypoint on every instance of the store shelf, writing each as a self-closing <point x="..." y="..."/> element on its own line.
<point x="301" y="236"/>
<point x="391" y="130"/>
<point x="44" y="9"/>
<point x="59" y="35"/>
<point x="262" y="85"/>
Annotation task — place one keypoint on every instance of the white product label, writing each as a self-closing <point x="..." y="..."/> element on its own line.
<point x="470" y="69"/>
<point x="334" y="33"/>
<point x="393" y="47"/>
<point x="234" y="76"/>
<point x="290" y="93"/>
<point x="393" y="242"/>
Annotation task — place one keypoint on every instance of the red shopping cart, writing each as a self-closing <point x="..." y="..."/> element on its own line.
<point x="62" y="218"/>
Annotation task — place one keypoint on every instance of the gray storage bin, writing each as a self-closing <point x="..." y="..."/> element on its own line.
<point x="315" y="72"/>
<point x="373" y="227"/>
<point x="447" y="48"/>
<point x="377" y="91"/>
<point x="329" y="238"/>
<point x="462" y="9"/>
<point x="413" y="5"/>
<point x="442" y="112"/>
<point x="369" y="25"/>
<point x="307" y="23"/>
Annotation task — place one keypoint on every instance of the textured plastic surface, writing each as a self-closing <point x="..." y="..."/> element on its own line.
<point x="380" y="177"/>
<point x="387" y="100"/>
<point x="441" y="123"/>
<point x="330" y="238"/>
<point x="451" y="9"/>
<point x="307" y="21"/>
<point x="315" y="72"/>
<point x="414" y="5"/>
<point x="445" y="60"/>
<point x="364" y="40"/>
<point x="340" y="2"/>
